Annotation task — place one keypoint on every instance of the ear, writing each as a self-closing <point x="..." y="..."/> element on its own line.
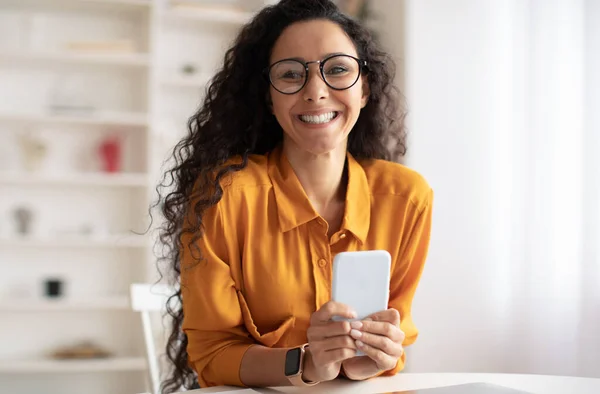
<point x="366" y="92"/>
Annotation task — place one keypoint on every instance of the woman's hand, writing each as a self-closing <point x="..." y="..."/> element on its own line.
<point x="329" y="342"/>
<point x="380" y="338"/>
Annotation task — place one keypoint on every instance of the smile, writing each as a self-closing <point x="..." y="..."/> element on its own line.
<point x="319" y="119"/>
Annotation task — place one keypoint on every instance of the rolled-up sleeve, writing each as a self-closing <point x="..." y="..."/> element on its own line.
<point x="408" y="270"/>
<point x="212" y="317"/>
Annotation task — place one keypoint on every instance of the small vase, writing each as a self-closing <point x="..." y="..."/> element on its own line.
<point x="110" y="153"/>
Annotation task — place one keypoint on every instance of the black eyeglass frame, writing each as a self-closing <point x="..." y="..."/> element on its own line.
<point x="362" y="69"/>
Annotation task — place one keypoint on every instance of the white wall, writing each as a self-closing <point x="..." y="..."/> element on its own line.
<point x="590" y="362"/>
<point x="496" y="103"/>
<point x="455" y="94"/>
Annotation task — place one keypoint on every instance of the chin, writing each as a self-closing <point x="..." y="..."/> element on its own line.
<point x="321" y="149"/>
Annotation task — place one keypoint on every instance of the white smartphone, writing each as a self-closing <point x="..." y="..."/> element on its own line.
<point x="361" y="280"/>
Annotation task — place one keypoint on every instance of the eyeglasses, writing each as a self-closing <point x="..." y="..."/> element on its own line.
<point x="340" y="72"/>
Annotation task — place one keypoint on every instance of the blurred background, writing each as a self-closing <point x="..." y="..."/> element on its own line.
<point x="504" y="123"/>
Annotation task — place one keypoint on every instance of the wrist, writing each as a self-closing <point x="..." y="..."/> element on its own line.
<point x="309" y="373"/>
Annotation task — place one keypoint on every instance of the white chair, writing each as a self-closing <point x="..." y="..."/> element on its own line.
<point x="147" y="298"/>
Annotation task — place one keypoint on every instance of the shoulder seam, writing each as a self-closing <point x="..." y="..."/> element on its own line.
<point x="419" y="207"/>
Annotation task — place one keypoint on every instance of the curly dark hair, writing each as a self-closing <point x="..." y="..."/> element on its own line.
<point x="235" y="120"/>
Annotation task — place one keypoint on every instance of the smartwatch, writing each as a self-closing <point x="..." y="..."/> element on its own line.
<point x="294" y="366"/>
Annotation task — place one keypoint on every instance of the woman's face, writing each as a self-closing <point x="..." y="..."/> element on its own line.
<point x="317" y="119"/>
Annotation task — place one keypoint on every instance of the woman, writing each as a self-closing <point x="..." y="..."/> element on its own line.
<point x="287" y="163"/>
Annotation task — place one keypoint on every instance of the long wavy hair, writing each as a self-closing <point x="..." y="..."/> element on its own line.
<point x="235" y="120"/>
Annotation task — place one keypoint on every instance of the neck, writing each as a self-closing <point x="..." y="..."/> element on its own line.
<point x="321" y="176"/>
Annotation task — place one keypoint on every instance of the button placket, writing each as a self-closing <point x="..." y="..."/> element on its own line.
<point x="320" y="256"/>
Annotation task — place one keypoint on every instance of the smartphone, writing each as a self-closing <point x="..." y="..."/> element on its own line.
<point x="361" y="280"/>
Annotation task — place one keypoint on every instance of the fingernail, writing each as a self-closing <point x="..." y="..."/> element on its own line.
<point x="355" y="334"/>
<point x="352" y="314"/>
<point x="356" y="325"/>
<point x="359" y="344"/>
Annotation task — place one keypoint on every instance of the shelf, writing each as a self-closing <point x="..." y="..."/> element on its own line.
<point x="137" y="3"/>
<point x="71" y="366"/>
<point x="189" y="82"/>
<point x="61" y="3"/>
<point x="68" y="241"/>
<point x="209" y="14"/>
<point x="115" y="59"/>
<point x="64" y="305"/>
<point x="84" y="179"/>
<point x="100" y="118"/>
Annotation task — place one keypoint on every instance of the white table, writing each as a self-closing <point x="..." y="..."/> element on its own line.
<point x="538" y="384"/>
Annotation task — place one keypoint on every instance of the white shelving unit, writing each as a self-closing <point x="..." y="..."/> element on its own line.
<point x="189" y="82"/>
<point x="85" y="219"/>
<point x="112" y="242"/>
<point x="89" y="179"/>
<point x="132" y="60"/>
<point x="106" y="119"/>
<point x="117" y="364"/>
<point x="60" y="305"/>
<point x="209" y="14"/>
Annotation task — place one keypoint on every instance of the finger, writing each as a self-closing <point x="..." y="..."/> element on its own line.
<point x="329" y="344"/>
<point x="379" y="342"/>
<point x="334" y="356"/>
<point x="391" y="316"/>
<point x="328" y="330"/>
<point x="380" y="328"/>
<point x="331" y="309"/>
<point x="384" y="361"/>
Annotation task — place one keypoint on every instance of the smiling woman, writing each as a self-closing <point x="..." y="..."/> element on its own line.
<point x="287" y="163"/>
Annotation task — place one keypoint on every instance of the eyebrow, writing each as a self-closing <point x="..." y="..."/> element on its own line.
<point x="324" y="57"/>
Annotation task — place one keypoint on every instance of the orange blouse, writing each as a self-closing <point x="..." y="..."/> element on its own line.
<point x="267" y="258"/>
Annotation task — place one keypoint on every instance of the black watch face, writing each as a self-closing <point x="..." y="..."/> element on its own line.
<point x="292" y="362"/>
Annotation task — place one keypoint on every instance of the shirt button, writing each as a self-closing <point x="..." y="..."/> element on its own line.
<point x="322" y="263"/>
<point x="343" y="235"/>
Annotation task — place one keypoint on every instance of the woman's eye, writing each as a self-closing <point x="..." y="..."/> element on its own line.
<point x="291" y="75"/>
<point x="337" y="70"/>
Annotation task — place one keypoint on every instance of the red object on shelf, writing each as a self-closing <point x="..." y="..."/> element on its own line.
<point x="110" y="152"/>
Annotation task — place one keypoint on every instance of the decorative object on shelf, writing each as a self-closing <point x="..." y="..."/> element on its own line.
<point x="189" y="69"/>
<point x="81" y="350"/>
<point x="53" y="287"/>
<point x="33" y="151"/>
<point x="97" y="229"/>
<point x="102" y="46"/>
<point x="23" y="218"/>
<point x="70" y="97"/>
<point x="110" y="154"/>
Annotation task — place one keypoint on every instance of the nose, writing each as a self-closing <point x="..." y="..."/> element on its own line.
<point x="316" y="89"/>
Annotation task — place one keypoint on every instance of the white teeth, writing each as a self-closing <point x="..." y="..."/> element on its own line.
<point x="318" y="119"/>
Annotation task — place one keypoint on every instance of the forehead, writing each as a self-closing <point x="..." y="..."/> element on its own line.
<point x="312" y="40"/>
